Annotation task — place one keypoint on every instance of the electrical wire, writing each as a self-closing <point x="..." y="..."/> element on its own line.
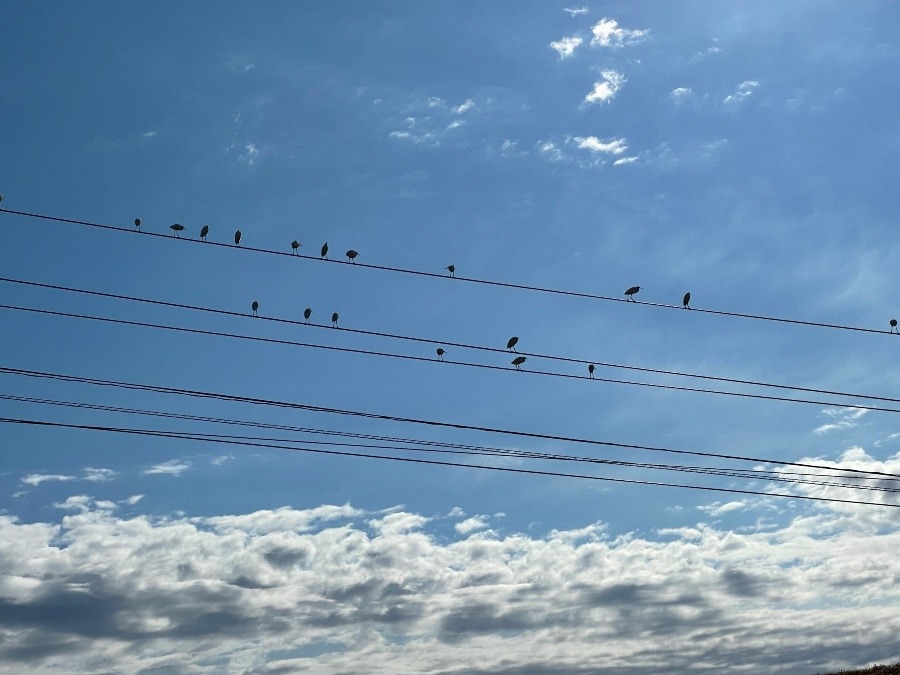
<point x="473" y="280"/>
<point x="469" y="364"/>
<point x="412" y="420"/>
<point x="444" y="343"/>
<point x="343" y="453"/>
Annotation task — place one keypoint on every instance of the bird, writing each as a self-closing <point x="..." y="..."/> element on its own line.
<point x="255" y="307"/>
<point x="176" y="228"/>
<point x="237" y="238"/>
<point x="631" y="291"/>
<point x="307" y="313"/>
<point x="351" y="255"/>
<point x="137" y="224"/>
<point x="686" y="301"/>
<point x="511" y="343"/>
<point x="203" y="232"/>
<point x="591" y="369"/>
<point x="1" y="198"/>
<point x="894" y="326"/>
<point x="440" y="353"/>
<point x="295" y="245"/>
<point x="451" y="269"/>
<point x="324" y="251"/>
<point x="334" y="320"/>
<point x="518" y="361"/>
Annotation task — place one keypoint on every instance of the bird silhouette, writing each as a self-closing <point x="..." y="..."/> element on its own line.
<point x="237" y="238"/>
<point x="451" y="269"/>
<point x="324" y="252"/>
<point x="591" y="369"/>
<point x="440" y="353"/>
<point x="351" y="255"/>
<point x="307" y="313"/>
<point x="631" y="291"/>
<point x="334" y="320"/>
<point x="2" y="198"/>
<point x="295" y="245"/>
<point x="176" y="228"/>
<point x="518" y="361"/>
<point x="894" y="326"/>
<point x="686" y="301"/>
<point x="255" y="307"/>
<point x="203" y="232"/>
<point x="511" y="343"/>
<point x="137" y="224"/>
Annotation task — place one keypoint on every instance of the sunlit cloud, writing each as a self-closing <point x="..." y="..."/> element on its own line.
<point x="566" y="46"/>
<point x="606" y="89"/>
<point x="608" y="33"/>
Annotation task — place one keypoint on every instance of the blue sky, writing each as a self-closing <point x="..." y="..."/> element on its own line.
<point x="745" y="153"/>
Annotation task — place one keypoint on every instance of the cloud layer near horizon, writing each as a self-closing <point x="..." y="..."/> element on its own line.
<point x="332" y="588"/>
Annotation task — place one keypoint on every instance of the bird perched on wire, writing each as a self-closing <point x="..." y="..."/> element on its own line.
<point x="440" y="352"/>
<point x="255" y="307"/>
<point x="518" y="361"/>
<point x="237" y="238"/>
<point x="591" y="369"/>
<point x="137" y="224"/>
<point x="894" y="326"/>
<point x="351" y="255"/>
<point x="176" y="228"/>
<point x="334" y="320"/>
<point x="203" y="232"/>
<point x="511" y="343"/>
<point x="307" y="313"/>
<point x="631" y="291"/>
<point x="686" y="301"/>
<point x="294" y="246"/>
<point x="324" y="252"/>
<point x="451" y="269"/>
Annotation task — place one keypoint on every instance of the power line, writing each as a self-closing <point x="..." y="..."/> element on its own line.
<point x="412" y="420"/>
<point x="473" y="280"/>
<point x="343" y="453"/>
<point x="469" y="364"/>
<point x="456" y="448"/>
<point x="444" y="343"/>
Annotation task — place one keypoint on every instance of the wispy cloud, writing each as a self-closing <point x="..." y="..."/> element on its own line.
<point x="98" y="475"/>
<point x="132" y="500"/>
<point x="465" y="106"/>
<point x="717" y="508"/>
<point x="550" y="150"/>
<point x="681" y="94"/>
<point x="173" y="467"/>
<point x="608" y="33"/>
<point x="743" y="91"/>
<point x="842" y="418"/>
<point x="614" y="147"/>
<point x="576" y="12"/>
<point x="566" y="46"/>
<point x="606" y="89"/>
<point x="471" y="525"/>
<point x="35" y="479"/>
<point x="625" y="160"/>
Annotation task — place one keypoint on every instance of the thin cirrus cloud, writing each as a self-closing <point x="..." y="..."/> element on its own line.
<point x="607" y="88"/>
<point x="841" y="418"/>
<point x="173" y="467"/>
<point x="743" y="91"/>
<point x="316" y="580"/>
<point x="566" y="46"/>
<point x="681" y="94"/>
<point x="35" y="479"/>
<point x="576" y="12"/>
<point x="616" y="146"/>
<point x="608" y="33"/>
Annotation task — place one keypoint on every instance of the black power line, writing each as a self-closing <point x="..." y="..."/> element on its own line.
<point x="469" y="364"/>
<point x="412" y="420"/>
<point x="444" y="343"/>
<point x="456" y="448"/>
<point x="473" y="280"/>
<point x="344" y="453"/>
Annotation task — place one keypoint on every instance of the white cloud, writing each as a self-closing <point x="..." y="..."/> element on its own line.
<point x="456" y="512"/>
<point x="455" y="124"/>
<point x="325" y="589"/>
<point x="435" y="102"/>
<point x="608" y="33"/>
<point x="576" y="12"/>
<point x="843" y="418"/>
<point x="606" y="89"/>
<point x="250" y="155"/>
<point x="625" y="160"/>
<point x="551" y="151"/>
<point x="149" y="134"/>
<point x="717" y="509"/>
<point x="614" y="147"/>
<point x="221" y="459"/>
<point x="98" y="475"/>
<point x="566" y="46"/>
<point x="35" y="479"/>
<point x="510" y="148"/>
<point x="173" y="467"/>
<point x="681" y="94"/>
<point x="744" y="90"/>
<point x="471" y="525"/>
<point x="465" y="106"/>
<point x="132" y="500"/>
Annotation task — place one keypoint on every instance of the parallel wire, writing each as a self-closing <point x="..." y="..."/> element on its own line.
<point x="412" y="420"/>
<point x="535" y="472"/>
<point x="455" y="448"/>
<point x="444" y="343"/>
<point x="409" y="357"/>
<point x="473" y="280"/>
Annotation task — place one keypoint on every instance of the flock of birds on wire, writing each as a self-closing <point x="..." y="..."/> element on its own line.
<point x="352" y="254"/>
